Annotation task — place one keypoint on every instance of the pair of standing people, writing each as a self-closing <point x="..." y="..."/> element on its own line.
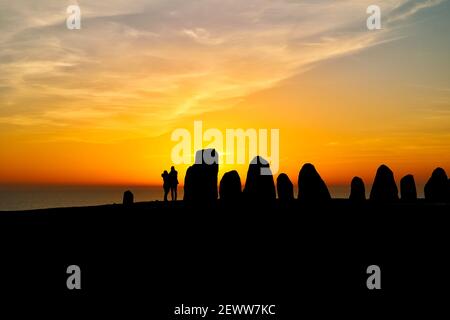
<point x="170" y="183"/>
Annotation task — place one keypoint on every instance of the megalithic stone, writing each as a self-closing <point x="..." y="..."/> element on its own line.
<point x="311" y="187"/>
<point x="285" y="188"/>
<point x="436" y="189"/>
<point x="259" y="185"/>
<point x="384" y="188"/>
<point x="230" y="188"/>
<point x="128" y="198"/>
<point x="357" y="190"/>
<point x="408" y="190"/>
<point x="200" y="184"/>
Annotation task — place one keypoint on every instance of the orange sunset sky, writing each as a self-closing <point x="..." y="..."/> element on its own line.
<point x="98" y="105"/>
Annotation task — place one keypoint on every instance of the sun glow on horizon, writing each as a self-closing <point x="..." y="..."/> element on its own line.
<point x="98" y="105"/>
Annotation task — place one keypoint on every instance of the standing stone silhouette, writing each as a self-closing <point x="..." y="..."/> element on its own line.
<point x="384" y="188"/>
<point x="408" y="190"/>
<point x="285" y="188"/>
<point x="128" y="198"/>
<point x="259" y="186"/>
<point x="200" y="183"/>
<point x="357" y="190"/>
<point x="436" y="189"/>
<point x="311" y="187"/>
<point x="230" y="188"/>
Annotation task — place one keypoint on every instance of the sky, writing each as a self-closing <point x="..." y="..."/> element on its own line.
<point x="98" y="105"/>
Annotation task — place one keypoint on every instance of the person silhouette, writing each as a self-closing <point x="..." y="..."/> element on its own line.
<point x="173" y="178"/>
<point x="166" y="183"/>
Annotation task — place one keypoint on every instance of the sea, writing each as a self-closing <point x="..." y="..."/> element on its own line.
<point x="16" y="198"/>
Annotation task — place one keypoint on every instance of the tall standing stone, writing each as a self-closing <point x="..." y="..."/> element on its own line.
<point x="436" y="189"/>
<point x="230" y="189"/>
<point x="259" y="185"/>
<point x="285" y="188"/>
<point x="311" y="187"/>
<point x="128" y="198"/>
<point x="200" y="184"/>
<point x="408" y="190"/>
<point x="357" y="190"/>
<point x="384" y="188"/>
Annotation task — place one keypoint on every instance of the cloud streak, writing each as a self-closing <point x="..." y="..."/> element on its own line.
<point x="138" y="66"/>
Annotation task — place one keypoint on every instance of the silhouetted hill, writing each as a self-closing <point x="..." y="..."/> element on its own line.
<point x="245" y="247"/>
<point x="155" y="253"/>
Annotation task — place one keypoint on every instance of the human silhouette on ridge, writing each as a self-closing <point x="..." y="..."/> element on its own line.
<point x="166" y="183"/>
<point x="173" y="180"/>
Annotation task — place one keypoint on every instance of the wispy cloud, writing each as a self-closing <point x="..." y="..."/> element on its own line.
<point x="406" y="9"/>
<point x="144" y="64"/>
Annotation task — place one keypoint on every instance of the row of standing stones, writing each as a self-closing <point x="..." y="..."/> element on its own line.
<point x="200" y="184"/>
